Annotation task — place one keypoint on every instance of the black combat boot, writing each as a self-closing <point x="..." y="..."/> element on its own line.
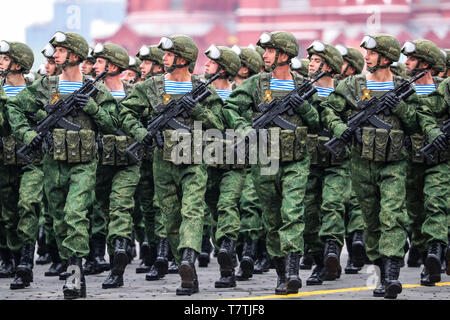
<point x="24" y="270"/>
<point x="280" y="268"/>
<point x="131" y="248"/>
<point x="64" y="274"/>
<point x="392" y="285"/>
<point x="318" y="273"/>
<point x="432" y="261"/>
<point x="147" y="255"/>
<point x="306" y="261"/>
<point x="425" y="276"/>
<point x="293" y="282"/>
<point x="226" y="257"/>
<point x="88" y="267"/>
<point x="358" y="249"/>
<point x="100" y="264"/>
<point x="248" y="260"/>
<point x="188" y="274"/>
<point x="8" y="267"/>
<point x="203" y="257"/>
<point x="447" y="259"/>
<point x="173" y="268"/>
<point x="380" y="291"/>
<point x="350" y="267"/>
<point x="414" y="257"/>
<point x="331" y="260"/>
<point x="42" y="251"/>
<point x="162" y="260"/>
<point x="75" y="285"/>
<point x="56" y="266"/>
<point x="118" y="264"/>
<point x="263" y="262"/>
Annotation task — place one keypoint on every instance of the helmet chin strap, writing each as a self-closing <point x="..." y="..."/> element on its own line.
<point x="378" y="66"/>
<point x="276" y="63"/>
<point x="152" y="70"/>
<point x="4" y="73"/>
<point x="319" y="71"/>
<point x="174" y="65"/>
<point x="67" y="63"/>
<point x="343" y="75"/>
<point x="416" y="70"/>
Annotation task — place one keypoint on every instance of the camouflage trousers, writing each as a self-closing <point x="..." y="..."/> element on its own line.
<point x="327" y="192"/>
<point x="115" y="196"/>
<point x="30" y="204"/>
<point x="282" y="201"/>
<point x="224" y="188"/>
<point x="380" y="188"/>
<point x="353" y="215"/>
<point x="9" y="197"/>
<point x="427" y="194"/>
<point x="147" y="217"/>
<point x="250" y="211"/>
<point x="180" y="191"/>
<point x="69" y="189"/>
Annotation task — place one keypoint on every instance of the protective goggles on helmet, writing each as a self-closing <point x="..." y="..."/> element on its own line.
<point x="368" y="42"/>
<point x="132" y="62"/>
<point x="90" y="53"/>
<point x="99" y="47"/>
<point x="165" y="43"/>
<point x="444" y="53"/>
<point x="296" y="63"/>
<point x="265" y="38"/>
<point x="317" y="46"/>
<point x="342" y="49"/>
<point x="49" y="51"/>
<point x="213" y="52"/>
<point x="59" y="37"/>
<point x="144" y="51"/>
<point x="409" y="47"/>
<point x="394" y="64"/>
<point x="236" y="50"/>
<point x="4" y="46"/>
<point x="251" y="46"/>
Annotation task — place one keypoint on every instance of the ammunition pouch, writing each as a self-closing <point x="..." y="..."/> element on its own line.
<point x="8" y="155"/>
<point x="114" y="148"/>
<point x="74" y="146"/>
<point x="382" y="146"/>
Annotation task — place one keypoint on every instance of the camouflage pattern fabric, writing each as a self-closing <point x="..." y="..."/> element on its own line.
<point x="250" y="210"/>
<point x="353" y="214"/>
<point x="9" y="197"/>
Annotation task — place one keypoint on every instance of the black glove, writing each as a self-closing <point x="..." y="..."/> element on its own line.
<point x="36" y="142"/>
<point x="148" y="140"/>
<point x="296" y="100"/>
<point x="81" y="100"/>
<point x="392" y="101"/>
<point x="189" y="103"/>
<point x="346" y="135"/>
<point x="441" y="143"/>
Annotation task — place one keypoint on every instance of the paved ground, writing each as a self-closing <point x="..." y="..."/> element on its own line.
<point x="260" y="287"/>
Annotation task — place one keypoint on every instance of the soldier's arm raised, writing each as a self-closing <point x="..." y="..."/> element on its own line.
<point x="240" y="100"/>
<point x="209" y="111"/>
<point x="439" y="106"/>
<point x="103" y="109"/>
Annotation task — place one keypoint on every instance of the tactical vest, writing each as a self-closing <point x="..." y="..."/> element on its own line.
<point x="417" y="141"/>
<point x="379" y="144"/>
<point x="71" y="146"/>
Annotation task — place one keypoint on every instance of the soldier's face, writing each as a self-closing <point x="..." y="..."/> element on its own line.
<point x="168" y="59"/>
<point x="269" y="56"/>
<point x="4" y="62"/>
<point x="371" y="59"/>
<point x="60" y="55"/>
<point x="412" y="62"/>
<point x="211" y="66"/>
<point x="146" y="66"/>
<point x="100" y="65"/>
<point x="50" y="67"/>
<point x="314" y="64"/>
<point x="350" y="71"/>
<point x="129" y="75"/>
<point x="86" y="67"/>
<point x="243" y="71"/>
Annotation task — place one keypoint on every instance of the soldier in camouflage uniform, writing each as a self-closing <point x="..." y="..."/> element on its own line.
<point x="87" y="66"/>
<point x="180" y="188"/>
<point x="21" y="225"/>
<point x="354" y="222"/>
<point x="225" y="182"/>
<point x="426" y="186"/>
<point x="70" y="162"/>
<point x="151" y="233"/>
<point x="133" y="73"/>
<point x="117" y="176"/>
<point x="301" y="66"/>
<point x="399" y="69"/>
<point x="379" y="162"/>
<point x="254" y="257"/>
<point x="281" y="193"/>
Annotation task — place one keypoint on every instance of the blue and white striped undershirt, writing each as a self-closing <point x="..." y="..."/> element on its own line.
<point x="118" y="93"/>
<point x="224" y="94"/>
<point x="324" y="92"/>
<point x="69" y="86"/>
<point x="380" y="86"/>
<point x="174" y="87"/>
<point x="276" y="84"/>
<point x="423" y="89"/>
<point x="12" y="91"/>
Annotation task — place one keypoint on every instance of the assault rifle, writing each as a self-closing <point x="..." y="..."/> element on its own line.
<point x="56" y="114"/>
<point x="429" y="150"/>
<point x="167" y="116"/>
<point x="369" y="111"/>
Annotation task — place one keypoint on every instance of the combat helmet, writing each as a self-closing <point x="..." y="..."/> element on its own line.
<point x="425" y="51"/>
<point x="73" y="43"/>
<point x="19" y="53"/>
<point x="399" y="69"/>
<point x="385" y="45"/>
<point x="260" y="50"/>
<point x="329" y="54"/>
<point x="300" y="65"/>
<point x="353" y="56"/>
<point x="225" y="58"/>
<point x="250" y="58"/>
<point x="182" y="46"/>
<point x="282" y="41"/>
<point x="153" y="54"/>
<point x="90" y="56"/>
<point x="114" y="54"/>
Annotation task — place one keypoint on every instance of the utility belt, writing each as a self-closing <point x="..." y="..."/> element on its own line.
<point x="8" y="156"/>
<point x="320" y="156"/>
<point x="416" y="142"/>
<point x="381" y="145"/>
<point x="73" y="146"/>
<point x="112" y="149"/>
